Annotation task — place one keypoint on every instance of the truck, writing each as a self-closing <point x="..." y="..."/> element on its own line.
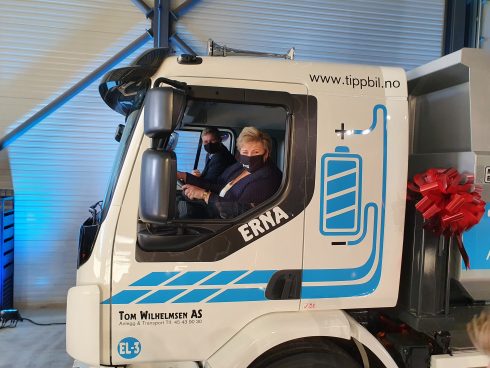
<point x="335" y="269"/>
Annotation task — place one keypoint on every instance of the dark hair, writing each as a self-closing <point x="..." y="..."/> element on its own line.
<point x="212" y="131"/>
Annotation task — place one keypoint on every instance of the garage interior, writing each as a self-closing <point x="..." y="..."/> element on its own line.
<point x="57" y="142"/>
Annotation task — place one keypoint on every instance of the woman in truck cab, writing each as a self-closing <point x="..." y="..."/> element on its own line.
<point x="244" y="184"/>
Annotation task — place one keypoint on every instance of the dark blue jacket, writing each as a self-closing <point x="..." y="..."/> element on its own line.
<point x="216" y="165"/>
<point x="250" y="190"/>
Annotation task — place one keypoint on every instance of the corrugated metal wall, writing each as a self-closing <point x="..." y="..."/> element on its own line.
<point x="61" y="166"/>
<point x="404" y="33"/>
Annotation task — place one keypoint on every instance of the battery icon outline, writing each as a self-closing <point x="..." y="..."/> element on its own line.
<point x="340" y="214"/>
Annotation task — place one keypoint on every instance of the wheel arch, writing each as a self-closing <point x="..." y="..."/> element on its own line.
<point x="271" y="330"/>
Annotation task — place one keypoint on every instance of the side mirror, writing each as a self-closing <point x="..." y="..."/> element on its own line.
<point x="157" y="189"/>
<point x="124" y="89"/>
<point x="164" y="108"/>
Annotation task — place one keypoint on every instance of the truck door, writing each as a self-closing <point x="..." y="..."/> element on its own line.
<point x="354" y="223"/>
<point x="181" y="290"/>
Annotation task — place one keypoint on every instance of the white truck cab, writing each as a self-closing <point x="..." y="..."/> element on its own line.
<point x="282" y="283"/>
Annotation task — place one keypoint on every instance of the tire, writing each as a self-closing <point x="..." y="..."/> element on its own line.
<point x="306" y="353"/>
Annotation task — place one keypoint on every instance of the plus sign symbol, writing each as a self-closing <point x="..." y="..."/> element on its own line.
<point x="342" y="131"/>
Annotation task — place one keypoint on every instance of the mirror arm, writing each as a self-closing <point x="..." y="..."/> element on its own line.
<point x="179" y="85"/>
<point x="158" y="144"/>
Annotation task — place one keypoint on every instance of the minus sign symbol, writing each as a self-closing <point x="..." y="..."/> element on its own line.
<point x="339" y="243"/>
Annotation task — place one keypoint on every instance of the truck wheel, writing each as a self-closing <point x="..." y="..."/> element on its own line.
<point x="306" y="353"/>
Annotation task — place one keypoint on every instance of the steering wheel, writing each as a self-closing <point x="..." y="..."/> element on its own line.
<point x="180" y="183"/>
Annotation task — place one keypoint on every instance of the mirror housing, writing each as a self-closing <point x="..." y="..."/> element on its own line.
<point x="124" y="89"/>
<point x="164" y="108"/>
<point x="157" y="186"/>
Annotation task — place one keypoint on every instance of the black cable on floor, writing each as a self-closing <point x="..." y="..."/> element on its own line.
<point x="42" y="324"/>
<point x="10" y="317"/>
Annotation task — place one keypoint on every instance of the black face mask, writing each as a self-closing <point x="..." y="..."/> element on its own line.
<point x="252" y="163"/>
<point x="212" y="147"/>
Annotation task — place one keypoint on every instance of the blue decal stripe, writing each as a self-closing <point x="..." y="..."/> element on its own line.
<point x="476" y="243"/>
<point x="257" y="277"/>
<point x="374" y="122"/>
<point x="161" y="296"/>
<point x="223" y="278"/>
<point x="341" y="202"/>
<point x="342" y="183"/>
<point x="336" y="167"/>
<point x="365" y="227"/>
<point x="345" y="220"/>
<point x="349" y="274"/>
<point x="338" y="291"/>
<point x="196" y="296"/>
<point x="189" y="278"/>
<point x="154" y="279"/>
<point x="240" y="295"/>
<point x="125" y="297"/>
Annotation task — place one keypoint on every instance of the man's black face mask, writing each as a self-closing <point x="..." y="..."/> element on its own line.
<point x="252" y="163"/>
<point x="212" y="147"/>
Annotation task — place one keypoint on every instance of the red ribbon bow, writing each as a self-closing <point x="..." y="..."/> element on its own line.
<point x="450" y="204"/>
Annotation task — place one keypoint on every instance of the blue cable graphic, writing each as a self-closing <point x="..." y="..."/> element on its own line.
<point x="349" y="274"/>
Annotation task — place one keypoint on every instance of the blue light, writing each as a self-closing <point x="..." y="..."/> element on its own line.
<point x="58" y="169"/>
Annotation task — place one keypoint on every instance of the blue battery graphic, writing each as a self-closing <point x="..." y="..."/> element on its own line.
<point x="340" y="192"/>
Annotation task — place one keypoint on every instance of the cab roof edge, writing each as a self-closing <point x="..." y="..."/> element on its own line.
<point x="152" y="58"/>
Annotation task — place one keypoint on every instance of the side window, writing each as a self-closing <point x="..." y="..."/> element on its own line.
<point x="186" y="149"/>
<point x="255" y="190"/>
<point x="223" y="188"/>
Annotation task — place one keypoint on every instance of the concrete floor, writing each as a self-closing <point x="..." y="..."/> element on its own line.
<point x="31" y="346"/>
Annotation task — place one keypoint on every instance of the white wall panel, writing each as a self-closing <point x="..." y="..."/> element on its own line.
<point x="62" y="165"/>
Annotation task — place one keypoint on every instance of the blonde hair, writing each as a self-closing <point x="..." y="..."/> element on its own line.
<point x="252" y="134"/>
<point x="479" y="331"/>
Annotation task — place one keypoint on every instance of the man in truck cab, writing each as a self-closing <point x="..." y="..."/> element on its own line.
<point x="249" y="182"/>
<point x="218" y="158"/>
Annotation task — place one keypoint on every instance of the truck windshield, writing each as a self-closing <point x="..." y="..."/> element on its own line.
<point x="119" y="159"/>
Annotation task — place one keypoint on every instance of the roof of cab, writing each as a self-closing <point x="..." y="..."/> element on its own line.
<point x="318" y="77"/>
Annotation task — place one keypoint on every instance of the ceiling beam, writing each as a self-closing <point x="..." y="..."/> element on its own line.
<point x="73" y="91"/>
<point x="161" y="24"/>
<point x="163" y="31"/>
